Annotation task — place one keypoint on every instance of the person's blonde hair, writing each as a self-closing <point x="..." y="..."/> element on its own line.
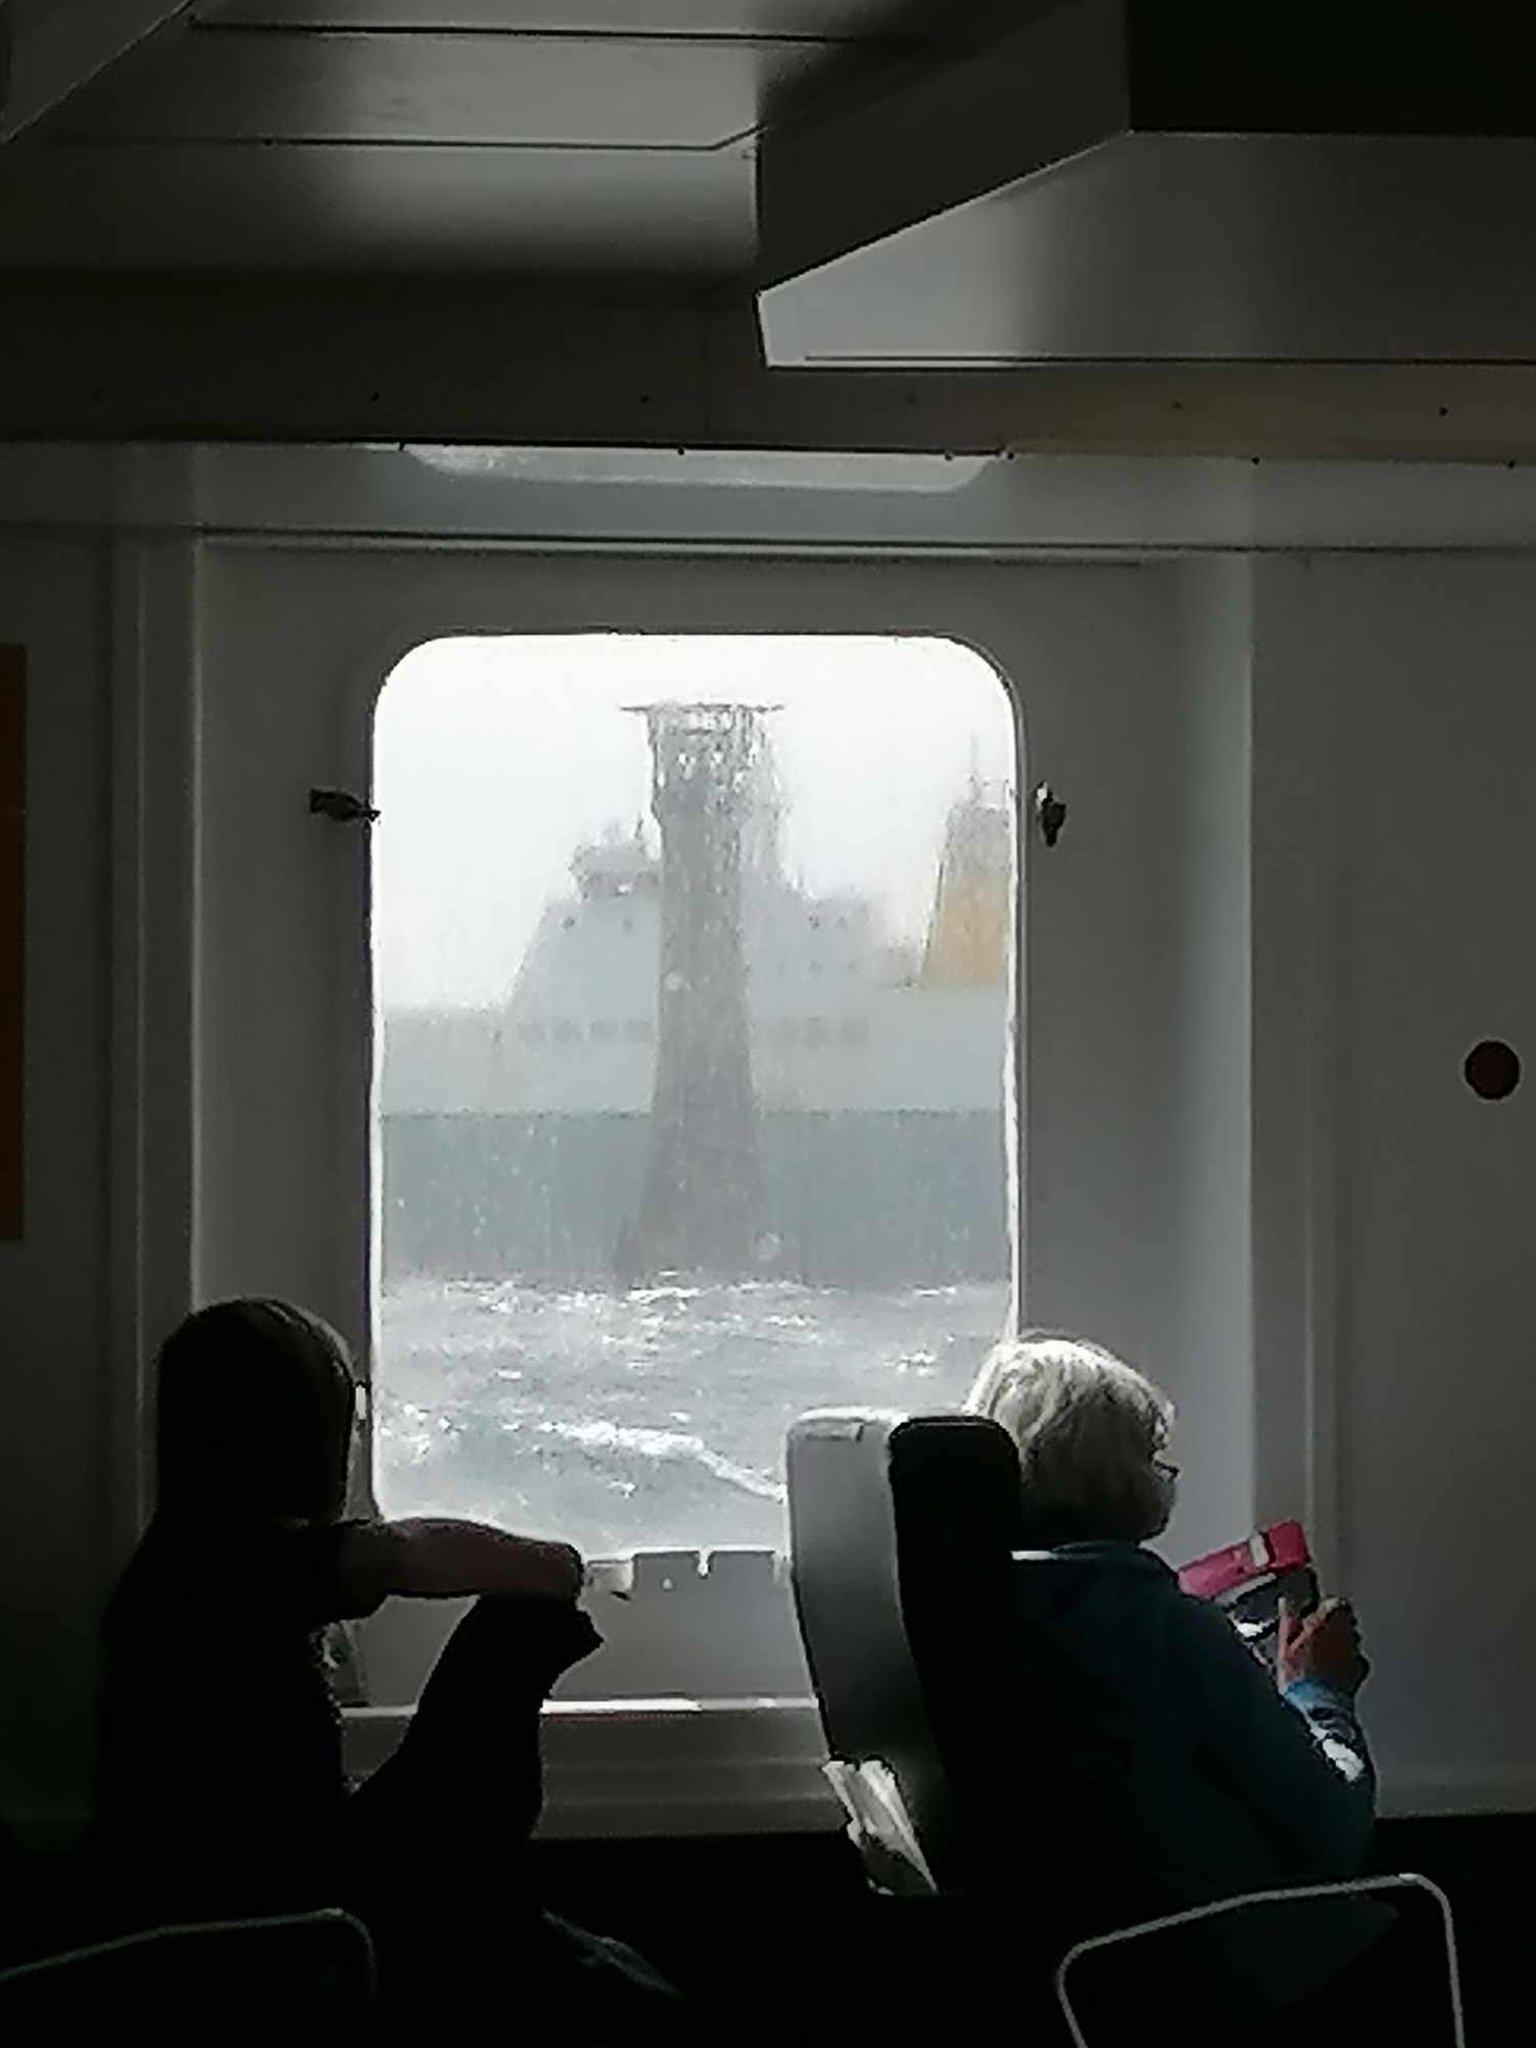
<point x="1088" y="1427"/>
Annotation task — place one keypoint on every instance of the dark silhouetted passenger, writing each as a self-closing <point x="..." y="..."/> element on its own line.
<point x="221" y="1782"/>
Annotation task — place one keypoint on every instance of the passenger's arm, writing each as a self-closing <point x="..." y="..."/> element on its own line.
<point x="1319" y="1668"/>
<point x="1299" y="1763"/>
<point x="441" y="1559"/>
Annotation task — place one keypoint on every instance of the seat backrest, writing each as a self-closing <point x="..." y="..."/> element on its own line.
<point x="902" y="1533"/>
<point x="219" y="1975"/>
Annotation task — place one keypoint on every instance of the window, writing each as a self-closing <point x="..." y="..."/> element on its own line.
<point x="612" y="1277"/>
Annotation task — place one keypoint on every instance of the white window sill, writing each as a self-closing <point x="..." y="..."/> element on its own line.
<point x="625" y="1768"/>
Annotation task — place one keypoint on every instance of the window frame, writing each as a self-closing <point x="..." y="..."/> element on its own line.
<point x="330" y="619"/>
<point x="822" y="1035"/>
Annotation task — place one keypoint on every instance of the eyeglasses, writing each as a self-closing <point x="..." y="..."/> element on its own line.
<point x="1162" y="1465"/>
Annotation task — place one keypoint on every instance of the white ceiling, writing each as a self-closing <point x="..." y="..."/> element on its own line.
<point x="602" y="137"/>
<point x="963" y="220"/>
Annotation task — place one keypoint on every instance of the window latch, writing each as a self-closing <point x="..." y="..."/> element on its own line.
<point x="1050" y="813"/>
<point x="340" y="806"/>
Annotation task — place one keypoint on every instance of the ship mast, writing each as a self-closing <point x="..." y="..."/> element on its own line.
<point x="699" y="1204"/>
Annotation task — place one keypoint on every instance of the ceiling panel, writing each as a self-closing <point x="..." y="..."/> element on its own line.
<point x="549" y="137"/>
<point x="826" y="19"/>
<point x="75" y="207"/>
<point x="609" y="92"/>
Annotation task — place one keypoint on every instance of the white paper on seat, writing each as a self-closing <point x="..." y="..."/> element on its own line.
<point x="879" y="1825"/>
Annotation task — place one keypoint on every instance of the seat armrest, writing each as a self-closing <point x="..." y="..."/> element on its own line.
<point x="1219" y="1907"/>
<point x="354" y="1957"/>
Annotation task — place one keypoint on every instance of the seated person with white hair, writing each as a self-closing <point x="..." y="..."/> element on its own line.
<point x="1192" y="1774"/>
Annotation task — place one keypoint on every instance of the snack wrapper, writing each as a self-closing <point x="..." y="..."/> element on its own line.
<point x="1248" y="1580"/>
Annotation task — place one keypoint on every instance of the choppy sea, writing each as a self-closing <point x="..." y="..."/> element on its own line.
<point x="649" y="1418"/>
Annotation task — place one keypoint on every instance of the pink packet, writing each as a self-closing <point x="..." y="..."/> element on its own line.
<point x="1247" y="1581"/>
<point x="1282" y="1547"/>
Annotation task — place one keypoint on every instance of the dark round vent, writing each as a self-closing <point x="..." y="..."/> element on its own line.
<point x="1492" y="1070"/>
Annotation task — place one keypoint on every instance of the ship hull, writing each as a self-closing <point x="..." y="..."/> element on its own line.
<point x="848" y="1198"/>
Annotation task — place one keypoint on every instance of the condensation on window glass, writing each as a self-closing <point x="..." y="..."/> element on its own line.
<point x="692" y="959"/>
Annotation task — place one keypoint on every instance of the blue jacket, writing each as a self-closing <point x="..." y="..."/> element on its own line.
<point x="1193" y="1778"/>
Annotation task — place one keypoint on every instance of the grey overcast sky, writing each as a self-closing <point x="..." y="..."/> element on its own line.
<point x="496" y="758"/>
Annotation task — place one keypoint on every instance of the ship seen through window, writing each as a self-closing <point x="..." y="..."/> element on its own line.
<point x="640" y="1206"/>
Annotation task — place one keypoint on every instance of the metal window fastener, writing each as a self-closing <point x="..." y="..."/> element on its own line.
<point x="1050" y="813"/>
<point x="340" y="806"/>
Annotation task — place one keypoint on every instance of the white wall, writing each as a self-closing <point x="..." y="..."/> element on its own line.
<point x="1343" y="741"/>
<point x="294" y="643"/>
<point x="1206" y="813"/>
<point x="1427" y="664"/>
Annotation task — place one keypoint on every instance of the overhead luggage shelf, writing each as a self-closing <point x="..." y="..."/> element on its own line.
<point x="1130" y="182"/>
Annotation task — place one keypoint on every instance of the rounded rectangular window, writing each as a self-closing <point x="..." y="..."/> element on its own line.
<point x="693" y="965"/>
